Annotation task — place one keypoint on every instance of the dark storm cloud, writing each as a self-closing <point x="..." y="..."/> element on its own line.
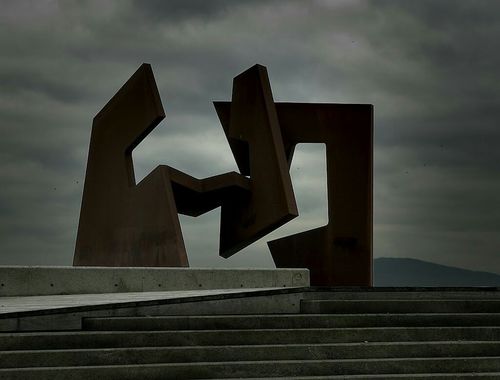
<point x="443" y="187"/>
<point x="179" y="10"/>
<point x="429" y="67"/>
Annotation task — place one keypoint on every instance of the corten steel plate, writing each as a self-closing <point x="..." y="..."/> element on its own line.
<point x="339" y="253"/>
<point x="124" y="224"/>
<point x="252" y="129"/>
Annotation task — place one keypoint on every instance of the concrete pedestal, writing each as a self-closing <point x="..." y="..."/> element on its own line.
<point x="37" y="281"/>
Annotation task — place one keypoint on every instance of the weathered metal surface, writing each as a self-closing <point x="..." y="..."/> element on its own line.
<point x="339" y="253"/>
<point x="253" y="132"/>
<point x="124" y="224"/>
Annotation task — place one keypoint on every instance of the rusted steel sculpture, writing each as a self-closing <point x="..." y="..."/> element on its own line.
<point x="339" y="253"/>
<point x="127" y="224"/>
<point x="252" y="129"/>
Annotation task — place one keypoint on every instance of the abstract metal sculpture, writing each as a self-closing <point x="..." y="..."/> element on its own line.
<point x="127" y="224"/>
<point x="339" y="253"/>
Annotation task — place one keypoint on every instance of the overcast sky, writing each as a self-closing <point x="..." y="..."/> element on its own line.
<point x="431" y="69"/>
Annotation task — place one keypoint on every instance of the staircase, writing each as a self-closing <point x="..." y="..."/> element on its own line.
<point x="411" y="334"/>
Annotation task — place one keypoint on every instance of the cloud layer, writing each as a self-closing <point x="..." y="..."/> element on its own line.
<point x="430" y="68"/>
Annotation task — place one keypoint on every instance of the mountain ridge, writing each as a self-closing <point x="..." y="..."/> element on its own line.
<point x="392" y="271"/>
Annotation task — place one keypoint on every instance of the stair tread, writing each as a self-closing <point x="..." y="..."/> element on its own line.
<point x="283" y="345"/>
<point x="218" y="330"/>
<point x="382" y="376"/>
<point x="457" y="300"/>
<point x="269" y="316"/>
<point x="294" y="361"/>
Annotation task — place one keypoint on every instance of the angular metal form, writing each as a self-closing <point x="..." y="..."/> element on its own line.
<point x="124" y="224"/>
<point x="252" y="129"/>
<point x="127" y="224"/>
<point x="339" y="253"/>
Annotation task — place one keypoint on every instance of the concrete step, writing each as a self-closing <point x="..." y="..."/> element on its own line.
<point x="412" y="376"/>
<point x="207" y="322"/>
<point x="428" y="294"/>
<point x="189" y="354"/>
<point x="254" y="369"/>
<point x="103" y="339"/>
<point x="399" y="306"/>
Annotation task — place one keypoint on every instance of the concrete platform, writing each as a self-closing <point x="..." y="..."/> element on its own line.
<point x="66" y="312"/>
<point x="39" y="280"/>
<point x="76" y="302"/>
<point x="57" y="298"/>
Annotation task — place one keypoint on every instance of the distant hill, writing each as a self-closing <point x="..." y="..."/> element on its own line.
<point x="412" y="272"/>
